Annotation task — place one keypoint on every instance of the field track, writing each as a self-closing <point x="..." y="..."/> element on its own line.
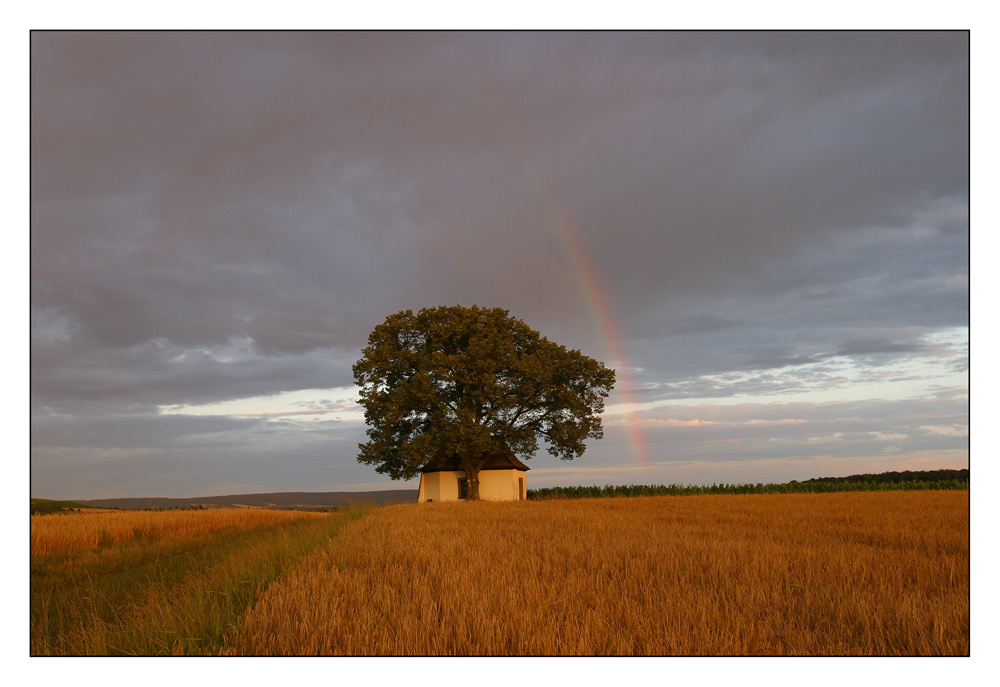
<point x="877" y="573"/>
<point x="146" y="583"/>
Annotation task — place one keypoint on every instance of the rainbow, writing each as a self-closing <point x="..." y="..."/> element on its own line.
<point x="588" y="282"/>
<point x="600" y="313"/>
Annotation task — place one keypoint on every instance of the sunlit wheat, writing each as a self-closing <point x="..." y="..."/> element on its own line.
<point x="880" y="573"/>
<point x="63" y="533"/>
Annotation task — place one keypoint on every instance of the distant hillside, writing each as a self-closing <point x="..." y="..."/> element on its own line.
<point x="279" y="500"/>
<point x="340" y="499"/>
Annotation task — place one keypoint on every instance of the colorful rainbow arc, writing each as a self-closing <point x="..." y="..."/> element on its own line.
<point x="600" y="313"/>
<point x="584" y="274"/>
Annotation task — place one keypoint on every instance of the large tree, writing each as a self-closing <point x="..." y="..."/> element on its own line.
<point x="473" y="382"/>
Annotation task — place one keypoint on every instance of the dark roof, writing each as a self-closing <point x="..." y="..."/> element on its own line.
<point x="494" y="461"/>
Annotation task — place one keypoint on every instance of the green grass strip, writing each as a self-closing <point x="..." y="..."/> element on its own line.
<point x="177" y="602"/>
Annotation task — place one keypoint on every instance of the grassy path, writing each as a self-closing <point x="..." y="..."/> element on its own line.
<point x="177" y="595"/>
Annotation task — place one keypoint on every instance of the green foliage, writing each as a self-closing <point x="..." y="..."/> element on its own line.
<point x="925" y="480"/>
<point x="472" y="382"/>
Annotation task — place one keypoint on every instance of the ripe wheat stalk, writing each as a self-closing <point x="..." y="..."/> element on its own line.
<point x="882" y="573"/>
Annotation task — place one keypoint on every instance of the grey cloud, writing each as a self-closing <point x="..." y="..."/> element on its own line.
<point x="755" y="203"/>
<point x="137" y="431"/>
<point x="181" y="455"/>
<point x="49" y="327"/>
<point x="472" y="140"/>
<point x="683" y="325"/>
<point x="759" y="383"/>
<point x="870" y="346"/>
<point x="798" y="430"/>
<point x="866" y="348"/>
<point x="159" y="373"/>
<point x="889" y="288"/>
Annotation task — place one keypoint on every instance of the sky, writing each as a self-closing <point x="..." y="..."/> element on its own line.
<point x="765" y="234"/>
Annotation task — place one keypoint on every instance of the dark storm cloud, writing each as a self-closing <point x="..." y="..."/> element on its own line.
<point x="293" y="188"/>
<point x="224" y="215"/>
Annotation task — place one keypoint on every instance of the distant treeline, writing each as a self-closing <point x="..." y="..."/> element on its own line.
<point x="899" y="477"/>
<point x="886" y="481"/>
<point x="48" y="507"/>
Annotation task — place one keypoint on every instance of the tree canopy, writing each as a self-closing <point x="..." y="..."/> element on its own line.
<point x="473" y="382"/>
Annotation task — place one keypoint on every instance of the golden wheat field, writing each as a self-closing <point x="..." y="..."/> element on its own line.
<point x="85" y="530"/>
<point x="866" y="573"/>
<point x="140" y="583"/>
<point x="852" y="573"/>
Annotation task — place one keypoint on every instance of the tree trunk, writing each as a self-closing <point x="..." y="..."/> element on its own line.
<point x="472" y="475"/>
